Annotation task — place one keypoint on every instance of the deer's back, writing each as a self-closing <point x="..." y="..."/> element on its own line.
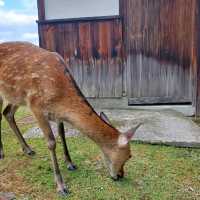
<point x="29" y="71"/>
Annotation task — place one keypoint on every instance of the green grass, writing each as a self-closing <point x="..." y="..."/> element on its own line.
<point x="154" y="173"/>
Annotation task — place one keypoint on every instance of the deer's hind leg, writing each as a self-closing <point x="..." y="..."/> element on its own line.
<point x="67" y="157"/>
<point x="1" y="144"/>
<point x="9" y="113"/>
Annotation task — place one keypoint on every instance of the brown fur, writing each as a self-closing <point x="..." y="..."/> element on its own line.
<point x="37" y="78"/>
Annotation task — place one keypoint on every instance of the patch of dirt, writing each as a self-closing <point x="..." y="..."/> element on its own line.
<point x="10" y="181"/>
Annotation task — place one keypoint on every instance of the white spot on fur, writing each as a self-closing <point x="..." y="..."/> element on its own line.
<point x="2" y="82"/>
<point x="34" y="75"/>
<point x="52" y="79"/>
<point x="18" y="78"/>
<point x="122" y="140"/>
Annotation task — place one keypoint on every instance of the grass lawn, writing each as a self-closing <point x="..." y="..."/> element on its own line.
<point x="154" y="173"/>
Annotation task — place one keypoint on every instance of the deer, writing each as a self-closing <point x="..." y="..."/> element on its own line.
<point x="39" y="79"/>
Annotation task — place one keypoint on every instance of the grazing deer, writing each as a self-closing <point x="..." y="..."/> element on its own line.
<point x="37" y="78"/>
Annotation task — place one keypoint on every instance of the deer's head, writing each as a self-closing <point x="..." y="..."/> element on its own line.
<point x="116" y="157"/>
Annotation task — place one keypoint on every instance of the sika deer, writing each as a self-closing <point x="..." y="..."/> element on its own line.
<point x="37" y="78"/>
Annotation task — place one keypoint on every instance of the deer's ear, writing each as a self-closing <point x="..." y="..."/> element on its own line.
<point x="131" y="132"/>
<point x="105" y="118"/>
<point x="124" y="138"/>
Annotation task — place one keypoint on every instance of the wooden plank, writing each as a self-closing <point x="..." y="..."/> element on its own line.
<point x="41" y="10"/>
<point x="78" y="20"/>
<point x="197" y="58"/>
<point x="85" y="45"/>
<point x="157" y="100"/>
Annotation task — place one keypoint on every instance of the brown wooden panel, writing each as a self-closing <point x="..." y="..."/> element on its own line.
<point x="197" y="58"/>
<point x="93" y="52"/>
<point x="159" y="40"/>
<point x="41" y="9"/>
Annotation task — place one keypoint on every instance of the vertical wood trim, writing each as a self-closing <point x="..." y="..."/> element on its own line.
<point x="122" y="11"/>
<point x="41" y="9"/>
<point x="194" y="54"/>
<point x="41" y="16"/>
<point x="198" y="57"/>
<point x="40" y="35"/>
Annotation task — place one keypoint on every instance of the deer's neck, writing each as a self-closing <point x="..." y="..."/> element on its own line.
<point x="99" y="131"/>
<point x="89" y="123"/>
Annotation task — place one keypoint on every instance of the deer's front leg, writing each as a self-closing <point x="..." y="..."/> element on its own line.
<point x="44" y="125"/>
<point x="67" y="157"/>
<point x="1" y="144"/>
<point x="9" y="113"/>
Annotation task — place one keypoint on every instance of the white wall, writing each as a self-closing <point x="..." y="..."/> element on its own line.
<point x="61" y="9"/>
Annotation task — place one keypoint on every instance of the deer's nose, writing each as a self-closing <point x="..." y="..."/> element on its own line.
<point x="116" y="178"/>
<point x="121" y="173"/>
<point x="120" y="176"/>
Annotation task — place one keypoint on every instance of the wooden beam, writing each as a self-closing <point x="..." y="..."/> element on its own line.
<point x="41" y="9"/>
<point x="79" y="20"/>
<point x="198" y="57"/>
<point x="157" y="100"/>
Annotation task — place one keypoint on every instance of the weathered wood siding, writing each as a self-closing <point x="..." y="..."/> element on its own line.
<point x="93" y="52"/>
<point x="155" y="42"/>
<point x="159" y="41"/>
<point x="197" y="56"/>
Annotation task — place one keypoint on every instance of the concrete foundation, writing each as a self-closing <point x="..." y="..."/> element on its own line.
<point x="163" y="126"/>
<point x="122" y="103"/>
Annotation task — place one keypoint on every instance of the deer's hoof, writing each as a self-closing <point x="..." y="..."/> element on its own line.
<point x="63" y="193"/>
<point x="71" y="167"/>
<point x="29" y="152"/>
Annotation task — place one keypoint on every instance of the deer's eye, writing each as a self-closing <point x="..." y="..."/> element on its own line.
<point x="130" y="156"/>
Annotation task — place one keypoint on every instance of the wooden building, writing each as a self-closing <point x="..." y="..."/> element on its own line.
<point x="145" y="51"/>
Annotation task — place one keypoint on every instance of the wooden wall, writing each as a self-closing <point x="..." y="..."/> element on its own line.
<point x="155" y="43"/>
<point x="159" y="40"/>
<point x="160" y="28"/>
<point x="93" y="52"/>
